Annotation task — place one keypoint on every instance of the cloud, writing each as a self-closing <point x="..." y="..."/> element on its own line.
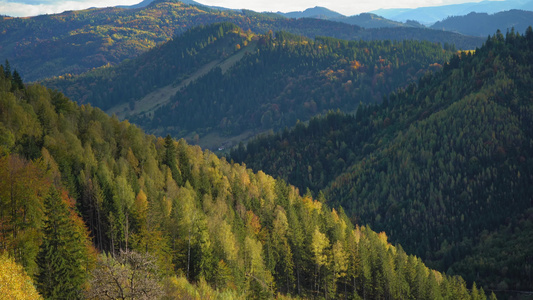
<point x="33" y="8"/>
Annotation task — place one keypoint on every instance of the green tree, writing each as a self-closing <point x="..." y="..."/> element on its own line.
<point x="64" y="257"/>
<point x="170" y="159"/>
<point x="319" y="245"/>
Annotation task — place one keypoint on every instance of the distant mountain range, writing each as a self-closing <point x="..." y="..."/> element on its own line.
<point x="468" y="18"/>
<point x="430" y="15"/>
<point x="315" y="12"/>
<point x="483" y="24"/>
<point x="366" y="20"/>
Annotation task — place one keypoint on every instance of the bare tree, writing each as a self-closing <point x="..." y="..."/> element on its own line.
<point x="130" y="275"/>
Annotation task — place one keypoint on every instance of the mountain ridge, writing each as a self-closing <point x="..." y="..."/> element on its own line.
<point x="78" y="41"/>
<point x="483" y="24"/>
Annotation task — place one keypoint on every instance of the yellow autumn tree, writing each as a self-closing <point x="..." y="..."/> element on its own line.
<point x="14" y="282"/>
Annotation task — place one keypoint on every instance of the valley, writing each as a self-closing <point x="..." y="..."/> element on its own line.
<point x="173" y="150"/>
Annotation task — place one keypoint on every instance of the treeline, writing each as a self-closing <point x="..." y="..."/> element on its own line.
<point x="91" y="206"/>
<point x="74" y="42"/>
<point x="442" y="166"/>
<point x="290" y="77"/>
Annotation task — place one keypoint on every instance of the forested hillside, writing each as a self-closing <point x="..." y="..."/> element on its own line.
<point x="444" y="167"/>
<point x="282" y="78"/>
<point x="92" y="207"/>
<point x="482" y="24"/>
<point x="167" y="64"/>
<point x="77" y="41"/>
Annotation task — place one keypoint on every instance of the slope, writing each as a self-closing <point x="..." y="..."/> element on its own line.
<point x="443" y="167"/>
<point x="171" y="63"/>
<point x="162" y="208"/>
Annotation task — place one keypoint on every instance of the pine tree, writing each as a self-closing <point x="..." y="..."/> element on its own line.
<point x="63" y="254"/>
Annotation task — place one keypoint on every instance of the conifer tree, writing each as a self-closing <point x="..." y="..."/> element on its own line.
<point x="18" y="84"/>
<point x="63" y="254"/>
<point x="170" y="159"/>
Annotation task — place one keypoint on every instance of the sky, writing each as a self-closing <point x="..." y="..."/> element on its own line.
<point x="21" y="8"/>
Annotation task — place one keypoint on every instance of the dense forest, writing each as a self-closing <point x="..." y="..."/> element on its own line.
<point x="74" y="42"/>
<point x="92" y="207"/>
<point x="281" y="78"/>
<point x="443" y="166"/>
<point x="289" y="78"/>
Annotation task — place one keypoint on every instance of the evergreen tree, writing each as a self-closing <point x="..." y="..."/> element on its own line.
<point x="63" y="254"/>
<point x="170" y="159"/>
<point x="7" y="69"/>
<point x="17" y="81"/>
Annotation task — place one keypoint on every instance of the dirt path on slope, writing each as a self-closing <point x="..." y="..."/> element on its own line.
<point x="162" y="96"/>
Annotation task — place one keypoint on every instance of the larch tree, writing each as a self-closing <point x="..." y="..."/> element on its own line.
<point x="14" y="282"/>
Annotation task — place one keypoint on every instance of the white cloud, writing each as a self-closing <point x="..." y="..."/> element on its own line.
<point x="33" y="8"/>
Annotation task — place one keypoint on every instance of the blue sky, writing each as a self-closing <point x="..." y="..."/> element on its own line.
<point x="346" y="7"/>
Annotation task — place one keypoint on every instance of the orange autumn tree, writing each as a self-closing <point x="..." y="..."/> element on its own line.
<point x="22" y="187"/>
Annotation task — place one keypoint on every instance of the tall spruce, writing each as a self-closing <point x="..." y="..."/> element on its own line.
<point x="63" y="254"/>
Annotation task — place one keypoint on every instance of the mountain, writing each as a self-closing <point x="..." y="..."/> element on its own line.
<point x="141" y="4"/>
<point x="317" y="12"/>
<point x="442" y="166"/>
<point x="482" y="24"/>
<point x="77" y="41"/>
<point x="92" y="207"/>
<point x="430" y="15"/>
<point x="368" y="20"/>
<point x="220" y="81"/>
